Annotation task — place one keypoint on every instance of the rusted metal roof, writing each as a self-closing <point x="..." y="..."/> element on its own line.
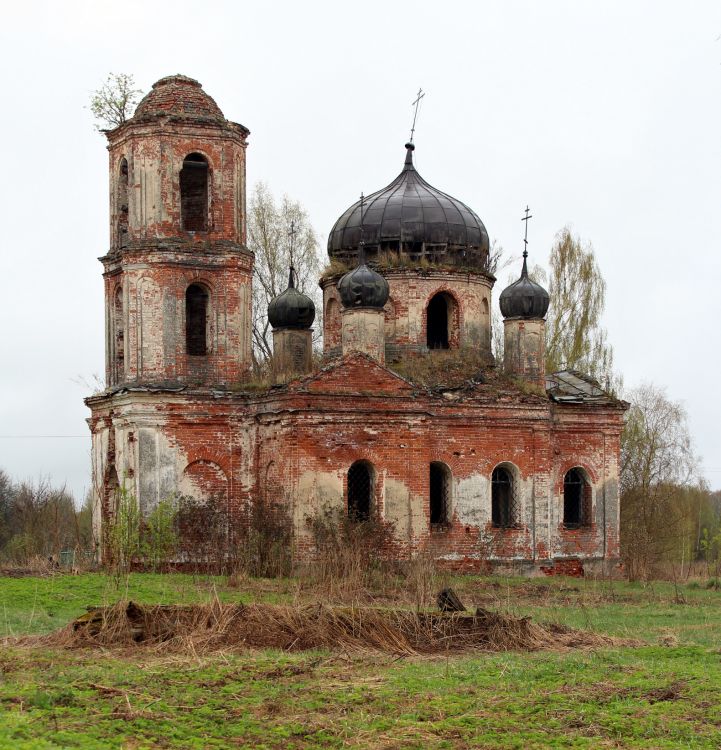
<point x="571" y="386"/>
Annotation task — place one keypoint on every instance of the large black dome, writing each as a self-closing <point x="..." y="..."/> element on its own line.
<point x="413" y="217"/>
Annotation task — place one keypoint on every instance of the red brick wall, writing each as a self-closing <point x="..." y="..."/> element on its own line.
<point x="410" y="293"/>
<point x="157" y="260"/>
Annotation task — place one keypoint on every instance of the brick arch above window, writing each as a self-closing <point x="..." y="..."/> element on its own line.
<point x="442" y="317"/>
<point x="204" y="479"/>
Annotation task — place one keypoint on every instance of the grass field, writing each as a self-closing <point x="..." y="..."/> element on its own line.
<point x="665" y="693"/>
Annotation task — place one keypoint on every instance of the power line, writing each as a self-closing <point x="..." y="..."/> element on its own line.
<point x="32" y="437"/>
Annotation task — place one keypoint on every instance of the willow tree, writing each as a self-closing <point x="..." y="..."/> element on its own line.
<point x="661" y="501"/>
<point x="575" y="338"/>
<point x="277" y="231"/>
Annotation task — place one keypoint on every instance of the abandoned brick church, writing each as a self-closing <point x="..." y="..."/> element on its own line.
<point x="512" y="468"/>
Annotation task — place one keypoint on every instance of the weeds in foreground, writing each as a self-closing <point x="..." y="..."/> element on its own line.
<point x="349" y="553"/>
<point x="444" y="367"/>
<point x="211" y="627"/>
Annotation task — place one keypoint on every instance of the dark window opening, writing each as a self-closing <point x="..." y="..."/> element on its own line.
<point x="576" y="500"/>
<point x="504" y="506"/>
<point x="119" y="333"/>
<point x="194" y="193"/>
<point x="360" y="491"/>
<point x="437" y="323"/>
<point x="123" y="203"/>
<point x="196" y="320"/>
<point x="111" y="494"/>
<point x="440" y="491"/>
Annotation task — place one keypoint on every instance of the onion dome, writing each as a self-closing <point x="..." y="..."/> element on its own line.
<point x="291" y="308"/>
<point x="524" y="298"/>
<point x="412" y="217"/>
<point x="178" y="96"/>
<point x="363" y="287"/>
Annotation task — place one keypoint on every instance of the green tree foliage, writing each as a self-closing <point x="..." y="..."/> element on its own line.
<point x="124" y="533"/>
<point x="575" y="338"/>
<point x="269" y="224"/>
<point x="115" y="101"/>
<point x="160" y="534"/>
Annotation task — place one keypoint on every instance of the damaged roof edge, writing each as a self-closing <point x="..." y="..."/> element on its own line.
<point x="571" y="386"/>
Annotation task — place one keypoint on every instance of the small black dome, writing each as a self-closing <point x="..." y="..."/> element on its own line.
<point x="412" y="217"/>
<point x="524" y="298"/>
<point x="363" y="287"/>
<point x="291" y="308"/>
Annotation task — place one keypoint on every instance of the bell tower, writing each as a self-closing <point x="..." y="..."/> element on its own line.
<point x="177" y="275"/>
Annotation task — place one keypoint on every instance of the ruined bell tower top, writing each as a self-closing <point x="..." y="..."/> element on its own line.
<point x="178" y="96"/>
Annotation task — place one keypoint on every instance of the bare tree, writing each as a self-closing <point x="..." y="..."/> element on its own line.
<point x="575" y="338"/>
<point x="269" y="225"/>
<point x="114" y="102"/>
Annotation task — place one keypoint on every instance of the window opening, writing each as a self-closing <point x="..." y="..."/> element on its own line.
<point x="119" y="333"/>
<point x="360" y="491"/>
<point x="123" y="203"/>
<point x="196" y="320"/>
<point x="504" y="505"/>
<point x="194" y="193"/>
<point x="437" y="322"/>
<point x="576" y="500"/>
<point x="439" y="493"/>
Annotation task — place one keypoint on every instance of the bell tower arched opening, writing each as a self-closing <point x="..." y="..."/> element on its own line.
<point x="196" y="320"/>
<point x="122" y="203"/>
<point x="194" y="193"/>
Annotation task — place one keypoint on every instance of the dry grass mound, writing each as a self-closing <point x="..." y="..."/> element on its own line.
<point x="219" y="626"/>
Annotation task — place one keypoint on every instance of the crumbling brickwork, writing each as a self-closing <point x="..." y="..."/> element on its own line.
<point x="406" y="324"/>
<point x="310" y="432"/>
<point x="178" y="417"/>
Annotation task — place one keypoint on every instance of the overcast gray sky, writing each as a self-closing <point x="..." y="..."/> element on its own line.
<point x="602" y="115"/>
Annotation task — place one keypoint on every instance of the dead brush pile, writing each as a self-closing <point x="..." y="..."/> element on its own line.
<point x="217" y="626"/>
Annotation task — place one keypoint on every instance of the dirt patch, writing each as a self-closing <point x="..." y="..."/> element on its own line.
<point x="218" y="626"/>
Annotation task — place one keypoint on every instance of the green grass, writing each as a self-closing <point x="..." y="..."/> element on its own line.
<point x="40" y="605"/>
<point x="654" y="696"/>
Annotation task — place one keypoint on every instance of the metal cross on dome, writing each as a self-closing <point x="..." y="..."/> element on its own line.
<point x="361" y="242"/>
<point x="416" y="104"/>
<point x="525" y="238"/>
<point x="291" y="234"/>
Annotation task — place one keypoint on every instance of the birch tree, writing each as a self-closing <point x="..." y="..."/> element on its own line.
<point x="269" y="237"/>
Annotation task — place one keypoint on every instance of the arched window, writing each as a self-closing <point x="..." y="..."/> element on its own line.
<point x="196" y="320"/>
<point x="440" y="493"/>
<point x="111" y="490"/>
<point x="437" y="323"/>
<point x="119" y="329"/>
<point x="504" y="506"/>
<point x="123" y="203"/>
<point x="389" y="314"/>
<point x="442" y="322"/>
<point x="332" y="324"/>
<point x="360" y="491"/>
<point x="194" y="193"/>
<point x="576" y="499"/>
